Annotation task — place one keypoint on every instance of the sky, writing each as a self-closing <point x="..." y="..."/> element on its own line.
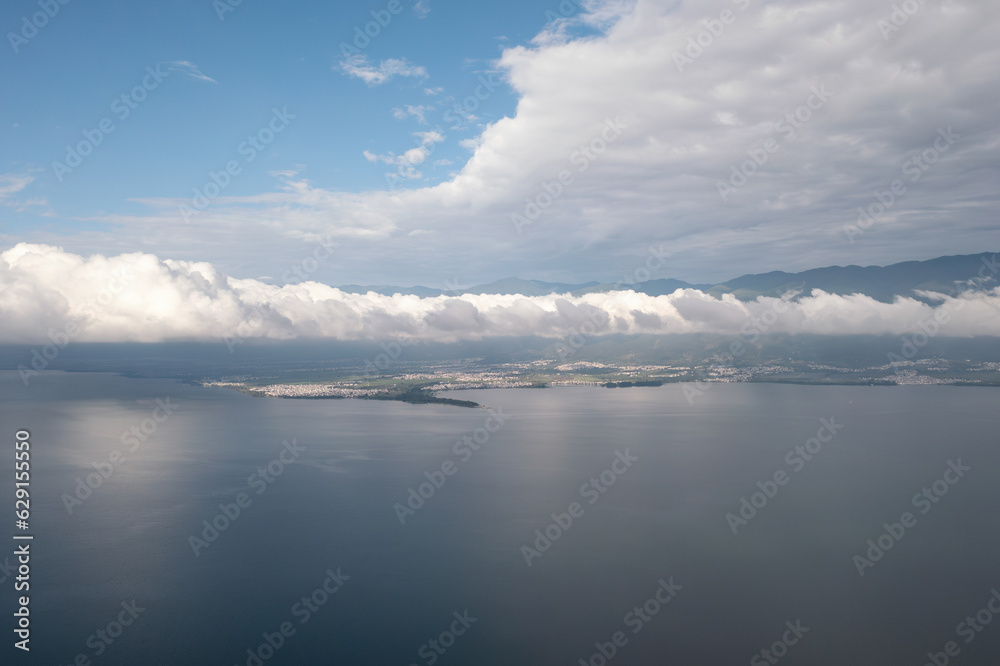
<point x="446" y="143"/>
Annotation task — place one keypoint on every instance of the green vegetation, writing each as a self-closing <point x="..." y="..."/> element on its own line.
<point x="418" y="397"/>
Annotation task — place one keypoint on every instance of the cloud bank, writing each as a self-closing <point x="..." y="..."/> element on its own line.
<point x="137" y="297"/>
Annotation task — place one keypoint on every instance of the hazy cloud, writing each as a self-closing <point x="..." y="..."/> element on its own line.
<point x="14" y="183"/>
<point x="359" y="66"/>
<point x="415" y="111"/>
<point x="190" y="69"/>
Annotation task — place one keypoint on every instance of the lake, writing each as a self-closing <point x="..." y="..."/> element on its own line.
<point x="178" y="524"/>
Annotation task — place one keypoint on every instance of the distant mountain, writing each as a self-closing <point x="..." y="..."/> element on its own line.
<point x="943" y="275"/>
<point x="659" y="287"/>
<point x="528" y="287"/>
<point x="504" y="286"/>
<point x="423" y="292"/>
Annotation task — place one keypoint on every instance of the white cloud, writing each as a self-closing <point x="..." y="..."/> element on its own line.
<point x="409" y="110"/>
<point x="140" y="297"/>
<point x="686" y="131"/>
<point x="413" y="156"/>
<point x="13" y="183"/>
<point x="427" y="138"/>
<point x="409" y="159"/>
<point x="472" y="145"/>
<point x="437" y="90"/>
<point x="359" y="66"/>
<point x="190" y="69"/>
<point x="422" y="8"/>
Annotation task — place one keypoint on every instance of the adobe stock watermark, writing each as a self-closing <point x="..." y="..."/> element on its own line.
<point x="592" y="491"/>
<point x="455" y="288"/>
<point x="37" y="21"/>
<point x="363" y="35"/>
<point x="464" y="111"/>
<point x="597" y="319"/>
<point x="752" y="330"/>
<point x="930" y="327"/>
<point x="655" y="261"/>
<point x="969" y="629"/>
<point x="914" y="168"/>
<point x="60" y="339"/>
<point x="581" y="158"/>
<point x="698" y="43"/>
<point x="759" y="155"/>
<point x="434" y="648"/>
<point x="796" y="459"/>
<point x="122" y="107"/>
<point x="464" y="448"/>
<point x="779" y="648"/>
<point x="249" y="148"/>
<point x="104" y="638"/>
<point x="302" y="610"/>
<point x="900" y="16"/>
<point x="299" y="272"/>
<point x="755" y="327"/>
<point x="566" y="9"/>
<point x="701" y="385"/>
<point x="987" y="271"/>
<point x="425" y="144"/>
<point x="223" y="7"/>
<point x="391" y="351"/>
<point x="925" y="500"/>
<point x="247" y="327"/>
<point x="6" y="570"/>
<point x="131" y="439"/>
<point x="259" y="481"/>
<point x="636" y="619"/>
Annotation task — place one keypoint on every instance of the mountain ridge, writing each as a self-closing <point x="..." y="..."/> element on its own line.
<point x="946" y="274"/>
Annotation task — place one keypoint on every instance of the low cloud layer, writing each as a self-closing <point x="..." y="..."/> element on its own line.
<point x="45" y="292"/>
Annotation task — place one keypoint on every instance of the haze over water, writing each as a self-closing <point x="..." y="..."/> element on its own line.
<point x="663" y="518"/>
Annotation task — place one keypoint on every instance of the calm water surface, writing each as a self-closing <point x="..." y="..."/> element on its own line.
<point x="661" y="517"/>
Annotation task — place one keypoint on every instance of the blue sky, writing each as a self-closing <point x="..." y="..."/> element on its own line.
<point x="675" y="98"/>
<point x="258" y="57"/>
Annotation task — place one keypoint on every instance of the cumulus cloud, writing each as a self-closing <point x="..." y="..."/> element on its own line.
<point x="689" y="125"/>
<point x="406" y="163"/>
<point x="358" y="66"/>
<point x="140" y="297"/>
